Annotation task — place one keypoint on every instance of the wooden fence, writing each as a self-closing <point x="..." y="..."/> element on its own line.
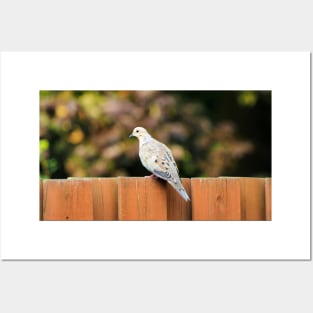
<point x="146" y="198"/>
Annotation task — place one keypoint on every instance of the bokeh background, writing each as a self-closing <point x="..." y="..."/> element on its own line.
<point x="211" y="133"/>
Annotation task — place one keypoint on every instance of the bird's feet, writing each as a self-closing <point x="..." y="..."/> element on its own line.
<point x="153" y="176"/>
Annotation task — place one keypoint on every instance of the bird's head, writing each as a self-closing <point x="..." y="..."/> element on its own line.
<point x="141" y="133"/>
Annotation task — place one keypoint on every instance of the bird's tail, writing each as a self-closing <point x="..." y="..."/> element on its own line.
<point x="180" y="189"/>
<point x="184" y="194"/>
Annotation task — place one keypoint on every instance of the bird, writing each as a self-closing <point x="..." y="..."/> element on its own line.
<point x="157" y="158"/>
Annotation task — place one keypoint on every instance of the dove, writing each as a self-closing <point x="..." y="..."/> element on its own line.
<point x="157" y="158"/>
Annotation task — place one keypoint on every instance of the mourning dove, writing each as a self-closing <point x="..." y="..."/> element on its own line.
<point x="158" y="159"/>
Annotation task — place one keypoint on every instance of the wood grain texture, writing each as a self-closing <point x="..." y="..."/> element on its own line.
<point x="216" y="199"/>
<point x="177" y="208"/>
<point x="147" y="198"/>
<point x="104" y="198"/>
<point x="268" y="198"/>
<point x="67" y="200"/>
<point x="141" y="199"/>
<point x="252" y="199"/>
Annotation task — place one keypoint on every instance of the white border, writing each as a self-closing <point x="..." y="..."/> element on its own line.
<point x="23" y="74"/>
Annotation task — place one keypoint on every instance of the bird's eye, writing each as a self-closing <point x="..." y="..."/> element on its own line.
<point x="137" y="131"/>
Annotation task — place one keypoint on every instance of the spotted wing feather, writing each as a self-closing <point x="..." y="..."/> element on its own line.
<point x="158" y="159"/>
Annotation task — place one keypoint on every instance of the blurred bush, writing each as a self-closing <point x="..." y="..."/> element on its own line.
<point x="211" y="133"/>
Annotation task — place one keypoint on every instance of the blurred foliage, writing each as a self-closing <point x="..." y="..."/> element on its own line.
<point x="211" y="133"/>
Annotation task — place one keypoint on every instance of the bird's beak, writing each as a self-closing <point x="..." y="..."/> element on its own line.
<point x="131" y="135"/>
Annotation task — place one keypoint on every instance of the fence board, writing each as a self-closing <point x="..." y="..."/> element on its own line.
<point x="252" y="199"/>
<point x="104" y="195"/>
<point x="215" y="198"/>
<point x="138" y="198"/>
<point x="177" y="208"/>
<point x="268" y="198"/>
<point x="141" y="199"/>
<point x="67" y="200"/>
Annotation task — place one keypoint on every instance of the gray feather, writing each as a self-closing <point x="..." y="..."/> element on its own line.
<point x="158" y="159"/>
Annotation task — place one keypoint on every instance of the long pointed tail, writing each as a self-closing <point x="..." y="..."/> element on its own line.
<point x="180" y="189"/>
<point x="184" y="194"/>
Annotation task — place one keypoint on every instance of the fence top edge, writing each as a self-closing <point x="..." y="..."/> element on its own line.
<point x="148" y="177"/>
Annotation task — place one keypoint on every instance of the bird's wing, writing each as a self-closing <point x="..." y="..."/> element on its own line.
<point x="158" y="158"/>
